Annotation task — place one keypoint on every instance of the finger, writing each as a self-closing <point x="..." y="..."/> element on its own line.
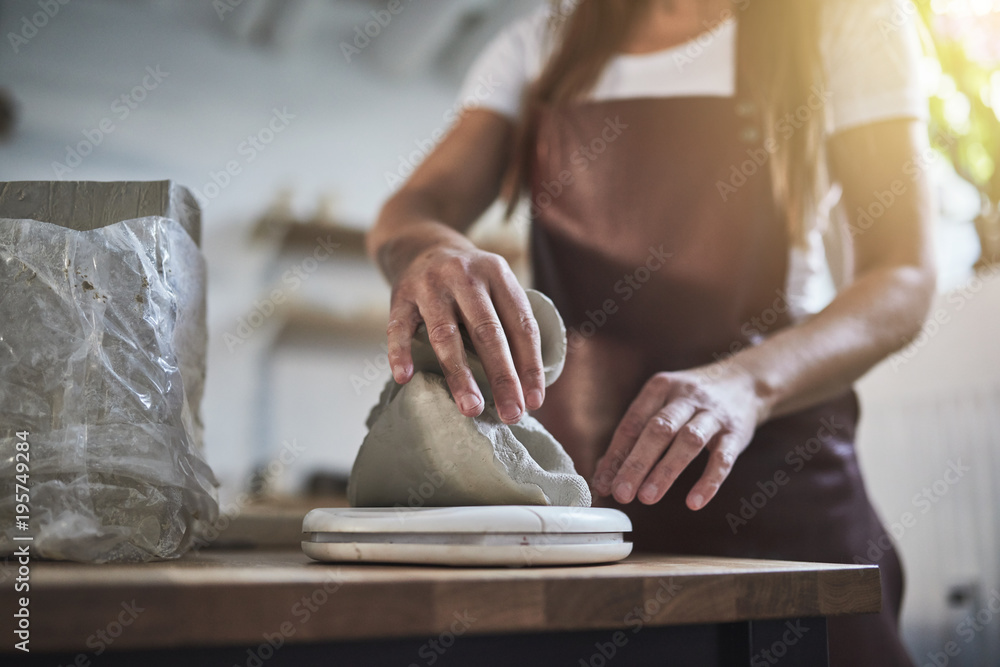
<point x="490" y="341"/>
<point x="650" y="399"/>
<point x="724" y="451"/>
<point x="523" y="335"/>
<point x="657" y="436"/>
<point x="688" y="443"/>
<point x="446" y="341"/>
<point x="404" y="318"/>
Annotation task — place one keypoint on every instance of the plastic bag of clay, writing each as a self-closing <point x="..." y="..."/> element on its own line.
<point x="102" y="364"/>
<point x="421" y="451"/>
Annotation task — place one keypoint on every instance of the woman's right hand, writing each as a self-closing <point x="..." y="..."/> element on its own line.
<point x="447" y="285"/>
<point x="441" y="279"/>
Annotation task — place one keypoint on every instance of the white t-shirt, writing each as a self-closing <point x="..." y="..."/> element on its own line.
<point x="870" y="51"/>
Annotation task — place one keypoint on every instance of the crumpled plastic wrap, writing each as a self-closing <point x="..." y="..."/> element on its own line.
<point x="102" y="363"/>
<point x="421" y="451"/>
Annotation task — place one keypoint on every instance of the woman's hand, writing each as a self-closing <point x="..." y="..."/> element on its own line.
<point x="673" y="418"/>
<point x="447" y="285"/>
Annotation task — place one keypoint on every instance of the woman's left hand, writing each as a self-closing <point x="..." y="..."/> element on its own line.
<point x="673" y="418"/>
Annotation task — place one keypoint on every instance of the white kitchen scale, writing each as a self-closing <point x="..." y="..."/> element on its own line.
<point x="494" y="535"/>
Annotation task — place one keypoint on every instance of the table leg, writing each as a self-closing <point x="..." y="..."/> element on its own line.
<point x="789" y="643"/>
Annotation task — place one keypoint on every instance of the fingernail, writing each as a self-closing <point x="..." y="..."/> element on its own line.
<point x="399" y="374"/>
<point x="509" y="411"/>
<point x="697" y="501"/>
<point x="534" y="399"/>
<point x="624" y="490"/>
<point x="649" y="491"/>
<point x="468" y="403"/>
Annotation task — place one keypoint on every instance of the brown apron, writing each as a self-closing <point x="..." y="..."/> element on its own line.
<point x="654" y="270"/>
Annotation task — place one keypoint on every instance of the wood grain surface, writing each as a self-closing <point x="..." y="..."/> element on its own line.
<point x="217" y="598"/>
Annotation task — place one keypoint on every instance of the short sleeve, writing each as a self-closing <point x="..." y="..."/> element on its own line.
<point x="513" y="60"/>
<point x="871" y="55"/>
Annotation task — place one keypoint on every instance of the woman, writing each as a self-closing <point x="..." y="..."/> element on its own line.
<point x="674" y="153"/>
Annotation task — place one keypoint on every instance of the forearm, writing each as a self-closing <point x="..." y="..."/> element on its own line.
<point x="410" y="223"/>
<point x="442" y="281"/>
<point x="445" y="195"/>
<point x="807" y="363"/>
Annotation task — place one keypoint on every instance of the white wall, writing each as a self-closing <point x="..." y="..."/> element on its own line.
<point x="930" y="446"/>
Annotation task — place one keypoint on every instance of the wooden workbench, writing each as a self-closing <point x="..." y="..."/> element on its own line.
<point x="237" y="601"/>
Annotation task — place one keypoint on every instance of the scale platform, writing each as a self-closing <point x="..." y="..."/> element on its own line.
<point x="494" y="535"/>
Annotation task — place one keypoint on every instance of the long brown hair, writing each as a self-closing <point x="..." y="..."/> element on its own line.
<point x="778" y="59"/>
